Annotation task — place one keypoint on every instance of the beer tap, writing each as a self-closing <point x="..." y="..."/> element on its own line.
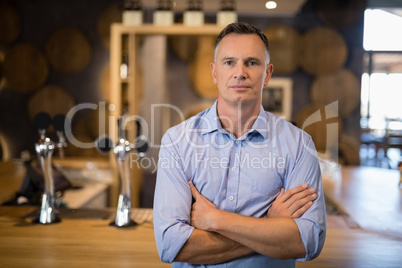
<point x="59" y="123"/>
<point x="121" y="150"/>
<point x="44" y="149"/>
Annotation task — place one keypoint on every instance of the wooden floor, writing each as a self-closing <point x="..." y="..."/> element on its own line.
<point x="356" y="248"/>
<point x="348" y="245"/>
<point x="369" y="233"/>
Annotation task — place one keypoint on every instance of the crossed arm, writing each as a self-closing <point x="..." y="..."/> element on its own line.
<point x="221" y="236"/>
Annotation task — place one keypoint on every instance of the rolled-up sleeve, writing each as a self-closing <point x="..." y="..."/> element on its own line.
<point x="312" y="225"/>
<point x="172" y="202"/>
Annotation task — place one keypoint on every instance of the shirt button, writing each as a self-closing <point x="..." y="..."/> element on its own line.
<point x="237" y="141"/>
<point x="233" y="168"/>
<point x="231" y="198"/>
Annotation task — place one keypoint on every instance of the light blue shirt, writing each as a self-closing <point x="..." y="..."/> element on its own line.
<point x="241" y="175"/>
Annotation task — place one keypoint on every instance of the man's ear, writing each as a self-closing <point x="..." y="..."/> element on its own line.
<point x="213" y="71"/>
<point x="269" y="71"/>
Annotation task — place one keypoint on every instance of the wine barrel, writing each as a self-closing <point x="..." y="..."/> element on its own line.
<point x="2" y="78"/>
<point x="184" y="46"/>
<point x="5" y="152"/>
<point x="69" y="50"/>
<point x="340" y="14"/>
<point x="25" y="68"/>
<point x="322" y="123"/>
<point x="10" y="24"/>
<point x="322" y="51"/>
<point x="86" y="128"/>
<point x="111" y="14"/>
<point x="200" y="71"/>
<point x="284" y="44"/>
<point x="51" y="99"/>
<point x="342" y="86"/>
<point x="105" y="84"/>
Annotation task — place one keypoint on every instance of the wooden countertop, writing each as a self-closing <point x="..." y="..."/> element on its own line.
<point x="74" y="243"/>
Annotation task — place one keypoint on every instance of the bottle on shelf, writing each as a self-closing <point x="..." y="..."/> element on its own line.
<point x="163" y="15"/>
<point x="194" y="16"/>
<point x="124" y="65"/>
<point x="132" y="13"/>
<point x="227" y="14"/>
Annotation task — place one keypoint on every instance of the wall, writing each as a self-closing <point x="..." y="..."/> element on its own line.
<point x="41" y="18"/>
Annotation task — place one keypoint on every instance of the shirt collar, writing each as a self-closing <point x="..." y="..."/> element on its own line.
<point x="211" y="123"/>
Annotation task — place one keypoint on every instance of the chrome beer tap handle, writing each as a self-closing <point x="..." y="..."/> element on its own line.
<point x="121" y="150"/>
<point x="42" y="121"/>
<point x="123" y="212"/>
<point x="48" y="213"/>
<point x="44" y="149"/>
<point x="59" y="122"/>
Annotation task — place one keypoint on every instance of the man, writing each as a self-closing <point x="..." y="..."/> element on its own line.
<point x="220" y="194"/>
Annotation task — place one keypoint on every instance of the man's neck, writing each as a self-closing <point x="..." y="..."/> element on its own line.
<point x="237" y="118"/>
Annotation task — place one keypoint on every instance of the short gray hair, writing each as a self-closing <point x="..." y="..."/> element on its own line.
<point x="241" y="28"/>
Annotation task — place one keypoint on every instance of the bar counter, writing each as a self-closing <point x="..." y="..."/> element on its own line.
<point x="73" y="243"/>
<point x="368" y="195"/>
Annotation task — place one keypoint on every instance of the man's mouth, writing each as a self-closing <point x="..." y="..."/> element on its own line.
<point x="240" y="87"/>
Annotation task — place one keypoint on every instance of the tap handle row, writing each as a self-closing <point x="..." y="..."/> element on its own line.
<point x="104" y="143"/>
<point x="43" y="120"/>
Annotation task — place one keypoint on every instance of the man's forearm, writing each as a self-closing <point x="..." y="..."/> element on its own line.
<point x="205" y="247"/>
<point x="275" y="237"/>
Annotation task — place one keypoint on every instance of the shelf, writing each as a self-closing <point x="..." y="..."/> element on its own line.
<point x="126" y="40"/>
<point x="175" y="29"/>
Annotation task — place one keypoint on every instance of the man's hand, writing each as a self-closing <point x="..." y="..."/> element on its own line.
<point x="292" y="203"/>
<point x="276" y="237"/>
<point x="203" y="211"/>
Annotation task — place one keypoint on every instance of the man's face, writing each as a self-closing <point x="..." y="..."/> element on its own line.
<point x="240" y="70"/>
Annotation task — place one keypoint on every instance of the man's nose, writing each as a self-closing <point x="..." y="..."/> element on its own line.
<point x="240" y="72"/>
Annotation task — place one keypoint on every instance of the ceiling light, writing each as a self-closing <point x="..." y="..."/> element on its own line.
<point x="270" y="4"/>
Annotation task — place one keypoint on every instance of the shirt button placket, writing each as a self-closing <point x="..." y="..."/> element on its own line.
<point x="233" y="177"/>
<point x="235" y="170"/>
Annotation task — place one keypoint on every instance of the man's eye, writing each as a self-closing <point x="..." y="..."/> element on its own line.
<point x="229" y="62"/>
<point x="252" y="63"/>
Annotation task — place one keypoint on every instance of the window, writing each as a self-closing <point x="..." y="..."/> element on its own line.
<point x="381" y="94"/>
<point x="382" y="30"/>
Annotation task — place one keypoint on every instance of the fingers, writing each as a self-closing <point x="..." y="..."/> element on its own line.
<point x="292" y="192"/>
<point x="298" y="213"/>
<point x="280" y="195"/>
<point x="301" y="203"/>
<point x="295" y="202"/>
<point x="194" y="190"/>
<point x="303" y="197"/>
